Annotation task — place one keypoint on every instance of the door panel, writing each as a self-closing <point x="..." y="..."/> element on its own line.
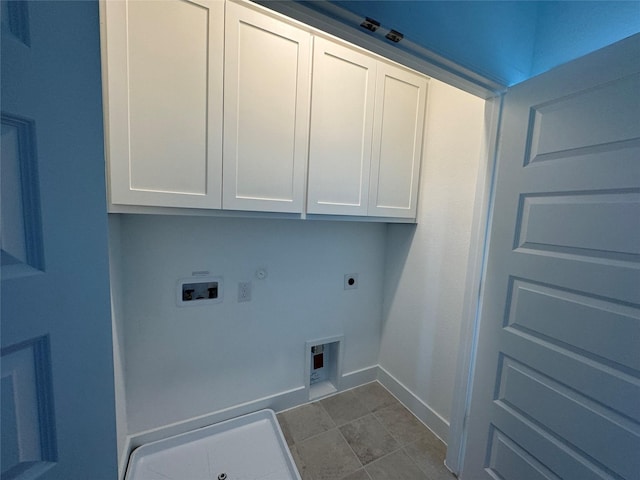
<point x="163" y="84"/>
<point x="397" y="142"/>
<point x="58" y="413"/>
<point x="21" y="222"/>
<point x="607" y="106"/>
<point x="591" y="224"/>
<point x="510" y="461"/>
<point x="29" y="443"/>
<point x="579" y="322"/>
<point x="344" y="82"/>
<point x="176" y="158"/>
<point x="556" y="387"/>
<point x="267" y="72"/>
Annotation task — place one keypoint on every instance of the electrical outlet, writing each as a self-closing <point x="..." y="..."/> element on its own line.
<point x="244" y="292"/>
<point x="351" y="281"/>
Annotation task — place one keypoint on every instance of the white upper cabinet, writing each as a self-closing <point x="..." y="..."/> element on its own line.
<point x="397" y="142"/>
<point x="367" y="122"/>
<point x="304" y="123"/>
<point x="342" y="110"/>
<point x="266" y="112"/>
<point x="163" y="64"/>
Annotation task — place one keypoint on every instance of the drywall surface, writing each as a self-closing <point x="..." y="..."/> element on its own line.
<point x="182" y="362"/>
<point x="426" y="265"/>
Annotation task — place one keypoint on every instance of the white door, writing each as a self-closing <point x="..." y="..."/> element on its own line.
<point x="397" y="142"/>
<point x="343" y="96"/>
<point x="58" y="414"/>
<point x="163" y="97"/>
<point x="266" y="112"/>
<point x="556" y="389"/>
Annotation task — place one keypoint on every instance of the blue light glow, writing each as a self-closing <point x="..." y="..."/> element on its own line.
<point x="506" y="41"/>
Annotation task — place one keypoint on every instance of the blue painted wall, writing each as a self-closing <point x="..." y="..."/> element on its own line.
<point x="508" y="41"/>
<point x="568" y="30"/>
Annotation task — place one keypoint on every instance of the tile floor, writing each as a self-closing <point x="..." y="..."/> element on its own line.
<point x="362" y="434"/>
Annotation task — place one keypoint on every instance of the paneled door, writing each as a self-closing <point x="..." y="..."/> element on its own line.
<point x="58" y="413"/>
<point x="556" y="389"/>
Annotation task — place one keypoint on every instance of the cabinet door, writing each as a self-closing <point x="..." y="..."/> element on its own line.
<point x="343" y="95"/>
<point x="266" y="103"/>
<point x="397" y="142"/>
<point x="163" y="78"/>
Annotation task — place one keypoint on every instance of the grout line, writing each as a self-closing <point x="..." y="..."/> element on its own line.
<point x="315" y="436"/>
<point x="397" y="439"/>
<point x="352" y="451"/>
<point x="415" y="462"/>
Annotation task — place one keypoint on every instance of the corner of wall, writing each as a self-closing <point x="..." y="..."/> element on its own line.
<point x="427" y="271"/>
<point x="115" y="274"/>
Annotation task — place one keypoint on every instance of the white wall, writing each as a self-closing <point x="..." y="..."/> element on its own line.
<point x="117" y="328"/>
<point x="426" y="265"/>
<point x="183" y="362"/>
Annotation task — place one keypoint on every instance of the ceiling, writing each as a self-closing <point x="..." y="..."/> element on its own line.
<point x="503" y="41"/>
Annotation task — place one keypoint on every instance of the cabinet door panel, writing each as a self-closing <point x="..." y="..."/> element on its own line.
<point x="164" y="83"/>
<point x="397" y="142"/>
<point x="267" y="75"/>
<point x="343" y="95"/>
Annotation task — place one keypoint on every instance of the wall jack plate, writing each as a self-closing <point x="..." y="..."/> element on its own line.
<point x="199" y="290"/>
<point x="351" y="281"/>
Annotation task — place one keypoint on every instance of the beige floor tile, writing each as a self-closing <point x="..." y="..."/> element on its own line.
<point x="304" y="422"/>
<point x="396" y="466"/>
<point x="358" y="475"/>
<point x="391" y="442"/>
<point x="344" y="407"/>
<point x="401" y="423"/>
<point x="374" y="396"/>
<point x="368" y="439"/>
<point x="429" y="453"/>
<point x="300" y="465"/>
<point x="328" y="456"/>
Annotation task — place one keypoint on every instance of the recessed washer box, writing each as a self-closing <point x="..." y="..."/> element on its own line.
<point x="324" y="366"/>
<point x="196" y="290"/>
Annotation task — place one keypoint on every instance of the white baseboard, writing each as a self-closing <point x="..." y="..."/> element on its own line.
<point x="434" y="422"/>
<point x="358" y="377"/>
<point x="277" y="402"/>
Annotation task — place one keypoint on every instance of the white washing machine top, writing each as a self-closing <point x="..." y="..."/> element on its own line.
<point x="250" y="447"/>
